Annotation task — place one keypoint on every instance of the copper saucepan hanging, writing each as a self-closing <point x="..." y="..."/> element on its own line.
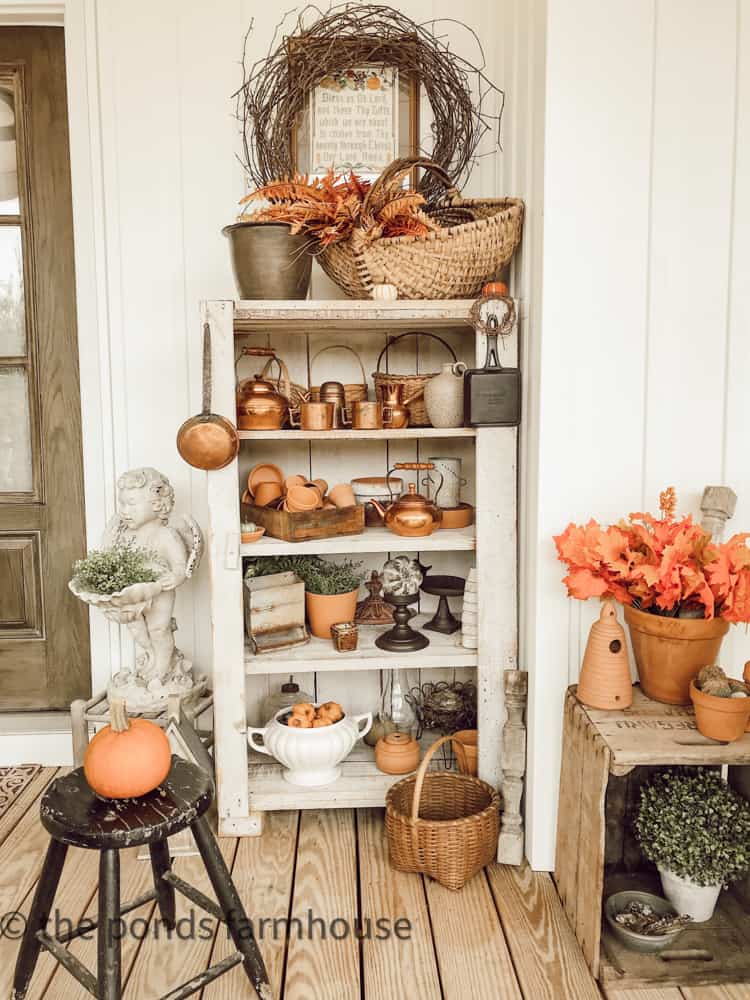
<point x="208" y="440"/>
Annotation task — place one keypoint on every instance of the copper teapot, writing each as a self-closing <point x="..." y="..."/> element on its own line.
<point x="411" y="515"/>
<point x="260" y="405"/>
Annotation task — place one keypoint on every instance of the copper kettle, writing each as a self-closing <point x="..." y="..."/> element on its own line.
<point x="260" y="405"/>
<point x="411" y="515"/>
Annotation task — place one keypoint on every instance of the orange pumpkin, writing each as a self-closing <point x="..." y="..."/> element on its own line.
<point x="127" y="758"/>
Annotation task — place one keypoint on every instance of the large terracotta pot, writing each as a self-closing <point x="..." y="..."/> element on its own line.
<point x="324" y="610"/>
<point x="669" y="652"/>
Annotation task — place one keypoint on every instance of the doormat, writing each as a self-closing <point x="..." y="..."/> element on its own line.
<point x="13" y="780"/>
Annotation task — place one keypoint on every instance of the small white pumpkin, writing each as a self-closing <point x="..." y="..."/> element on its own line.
<point x="387" y="293"/>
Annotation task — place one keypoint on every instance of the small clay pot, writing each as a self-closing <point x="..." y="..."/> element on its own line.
<point x="301" y="499"/>
<point x="720" y="718"/>
<point x="379" y="729"/>
<point x="467" y="752"/>
<point x="397" y="753"/>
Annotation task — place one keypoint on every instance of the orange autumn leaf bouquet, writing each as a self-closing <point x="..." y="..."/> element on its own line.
<point x="666" y="566"/>
<point x="330" y="207"/>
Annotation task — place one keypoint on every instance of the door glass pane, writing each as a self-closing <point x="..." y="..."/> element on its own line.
<point x="16" y="471"/>
<point x="12" y="319"/>
<point x="9" y="203"/>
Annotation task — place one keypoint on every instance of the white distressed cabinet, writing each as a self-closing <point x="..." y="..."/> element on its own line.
<point x="250" y="784"/>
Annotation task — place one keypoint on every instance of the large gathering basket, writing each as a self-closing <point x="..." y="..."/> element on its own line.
<point x="441" y="823"/>
<point x="452" y="263"/>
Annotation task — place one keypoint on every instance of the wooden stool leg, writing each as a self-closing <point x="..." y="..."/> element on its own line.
<point x="38" y="917"/>
<point x="232" y="908"/>
<point x="79" y="730"/>
<point x="160" y="865"/>
<point x="110" y="928"/>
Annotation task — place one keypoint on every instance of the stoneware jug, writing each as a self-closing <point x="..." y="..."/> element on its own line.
<point x="444" y="396"/>
<point x="605" y="675"/>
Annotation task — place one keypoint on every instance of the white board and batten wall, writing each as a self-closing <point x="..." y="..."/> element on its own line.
<point x="645" y="357"/>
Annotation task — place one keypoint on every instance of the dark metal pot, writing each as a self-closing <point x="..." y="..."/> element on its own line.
<point x="268" y="263"/>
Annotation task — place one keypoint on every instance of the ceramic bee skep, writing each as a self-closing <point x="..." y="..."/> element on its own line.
<point x="605" y="680"/>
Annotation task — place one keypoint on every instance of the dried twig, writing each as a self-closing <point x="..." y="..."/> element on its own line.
<point x="310" y="44"/>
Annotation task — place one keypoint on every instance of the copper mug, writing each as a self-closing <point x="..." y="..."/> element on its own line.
<point x="368" y="416"/>
<point x="313" y="416"/>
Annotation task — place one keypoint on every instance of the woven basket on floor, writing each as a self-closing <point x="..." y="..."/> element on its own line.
<point x="355" y="392"/>
<point x="452" y="263"/>
<point x="442" y="824"/>
<point x="412" y="385"/>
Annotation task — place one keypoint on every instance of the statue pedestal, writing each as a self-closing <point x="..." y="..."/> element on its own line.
<point x="142" y="695"/>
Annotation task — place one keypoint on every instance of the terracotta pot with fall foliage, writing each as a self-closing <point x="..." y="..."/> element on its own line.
<point x="669" y="652"/>
<point x="681" y="591"/>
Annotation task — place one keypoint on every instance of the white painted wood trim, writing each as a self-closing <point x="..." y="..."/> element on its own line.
<point x="225" y="566"/>
<point x="308" y="315"/>
<point x="497" y="579"/>
<point x="37" y="13"/>
<point x="371" y="540"/>
<point x="99" y="436"/>
<point x="319" y="655"/>
<point x="346" y="434"/>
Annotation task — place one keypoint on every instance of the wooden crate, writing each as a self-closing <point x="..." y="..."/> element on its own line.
<point x="606" y="757"/>
<point x="303" y="527"/>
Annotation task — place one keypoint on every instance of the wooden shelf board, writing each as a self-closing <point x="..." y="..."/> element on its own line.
<point x="347" y="434"/>
<point x="371" y="540"/>
<point x="319" y="654"/>
<point x="653" y="733"/>
<point x="355" y="316"/>
<point x="726" y="936"/>
<point x="361" y="784"/>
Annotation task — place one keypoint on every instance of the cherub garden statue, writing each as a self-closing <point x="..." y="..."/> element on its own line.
<point x="152" y="558"/>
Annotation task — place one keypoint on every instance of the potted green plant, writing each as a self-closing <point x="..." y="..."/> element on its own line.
<point x="680" y="590"/>
<point x="117" y="579"/>
<point x="696" y="830"/>
<point x="331" y="588"/>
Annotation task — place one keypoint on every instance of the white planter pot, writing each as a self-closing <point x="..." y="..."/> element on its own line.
<point x="310" y="756"/>
<point x="696" y="901"/>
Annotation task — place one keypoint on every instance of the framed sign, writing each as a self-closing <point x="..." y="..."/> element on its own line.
<point x="354" y="121"/>
<point x="358" y="117"/>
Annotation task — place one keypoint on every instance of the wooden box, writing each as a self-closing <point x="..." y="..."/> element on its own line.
<point x="275" y="612"/>
<point x="302" y="527"/>
<point x="606" y="758"/>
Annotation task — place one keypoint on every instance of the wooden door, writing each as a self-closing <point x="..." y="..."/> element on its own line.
<point x="44" y="642"/>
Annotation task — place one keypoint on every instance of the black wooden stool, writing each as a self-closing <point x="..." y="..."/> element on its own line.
<point x="74" y="815"/>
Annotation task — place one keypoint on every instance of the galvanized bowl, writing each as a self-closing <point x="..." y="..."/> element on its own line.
<point x="643" y="943"/>
<point x="268" y="262"/>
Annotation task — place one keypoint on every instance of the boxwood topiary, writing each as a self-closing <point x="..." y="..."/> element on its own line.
<point x="691" y="822"/>
<point x="320" y="576"/>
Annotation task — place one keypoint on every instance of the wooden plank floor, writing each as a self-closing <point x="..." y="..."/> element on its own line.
<point x="334" y="921"/>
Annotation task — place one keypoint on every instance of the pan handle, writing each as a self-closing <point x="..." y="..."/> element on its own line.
<point x="206" y="369"/>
